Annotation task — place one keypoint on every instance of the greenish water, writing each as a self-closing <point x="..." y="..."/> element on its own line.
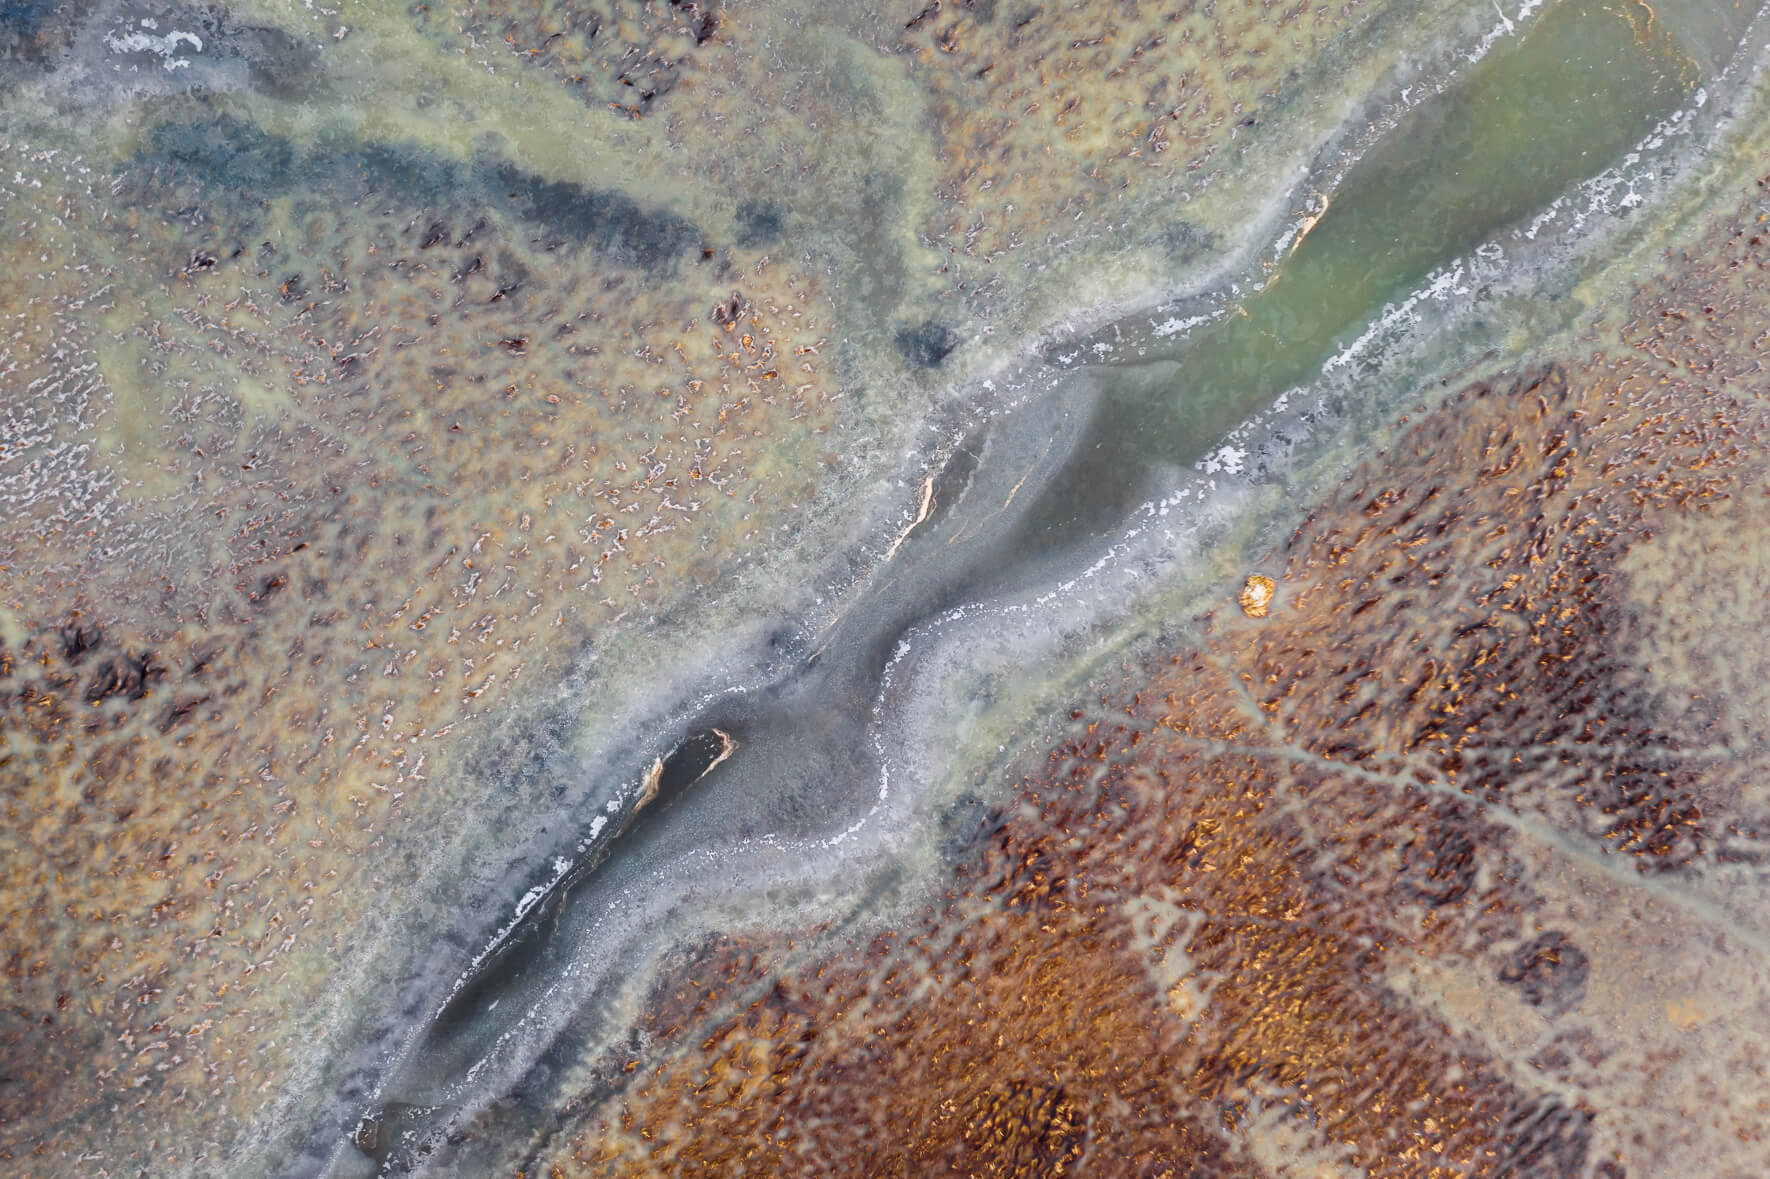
<point x="1585" y="82"/>
<point x="1588" y="81"/>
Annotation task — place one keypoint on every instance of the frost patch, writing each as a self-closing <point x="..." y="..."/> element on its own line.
<point x="163" y="46"/>
<point x="1173" y="327"/>
<point x="1229" y="460"/>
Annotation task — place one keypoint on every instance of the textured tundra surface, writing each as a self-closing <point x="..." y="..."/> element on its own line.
<point x="1450" y="863"/>
<point x="389" y="392"/>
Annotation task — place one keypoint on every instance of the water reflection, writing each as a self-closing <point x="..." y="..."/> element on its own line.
<point x="1584" y="83"/>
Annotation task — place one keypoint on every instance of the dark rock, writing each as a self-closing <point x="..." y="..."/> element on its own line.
<point x="927" y="345"/>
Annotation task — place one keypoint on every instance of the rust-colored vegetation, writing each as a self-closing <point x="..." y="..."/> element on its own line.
<point x="1393" y="879"/>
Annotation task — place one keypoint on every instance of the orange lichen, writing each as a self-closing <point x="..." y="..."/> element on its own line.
<point x="1256" y="595"/>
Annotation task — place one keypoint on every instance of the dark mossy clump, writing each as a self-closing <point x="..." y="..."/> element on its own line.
<point x="22" y="23"/>
<point x="224" y="152"/>
<point x="1182" y="241"/>
<point x="279" y="64"/>
<point x="31" y="31"/>
<point x="758" y="224"/>
<point x="237" y="157"/>
<point x="1441" y="869"/>
<point x="407" y="172"/>
<point x="1549" y="972"/>
<point x="78" y="639"/>
<point x="129" y="676"/>
<point x="1547" y="1138"/>
<point x="967" y="824"/>
<point x="927" y="344"/>
<point x="614" y="225"/>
